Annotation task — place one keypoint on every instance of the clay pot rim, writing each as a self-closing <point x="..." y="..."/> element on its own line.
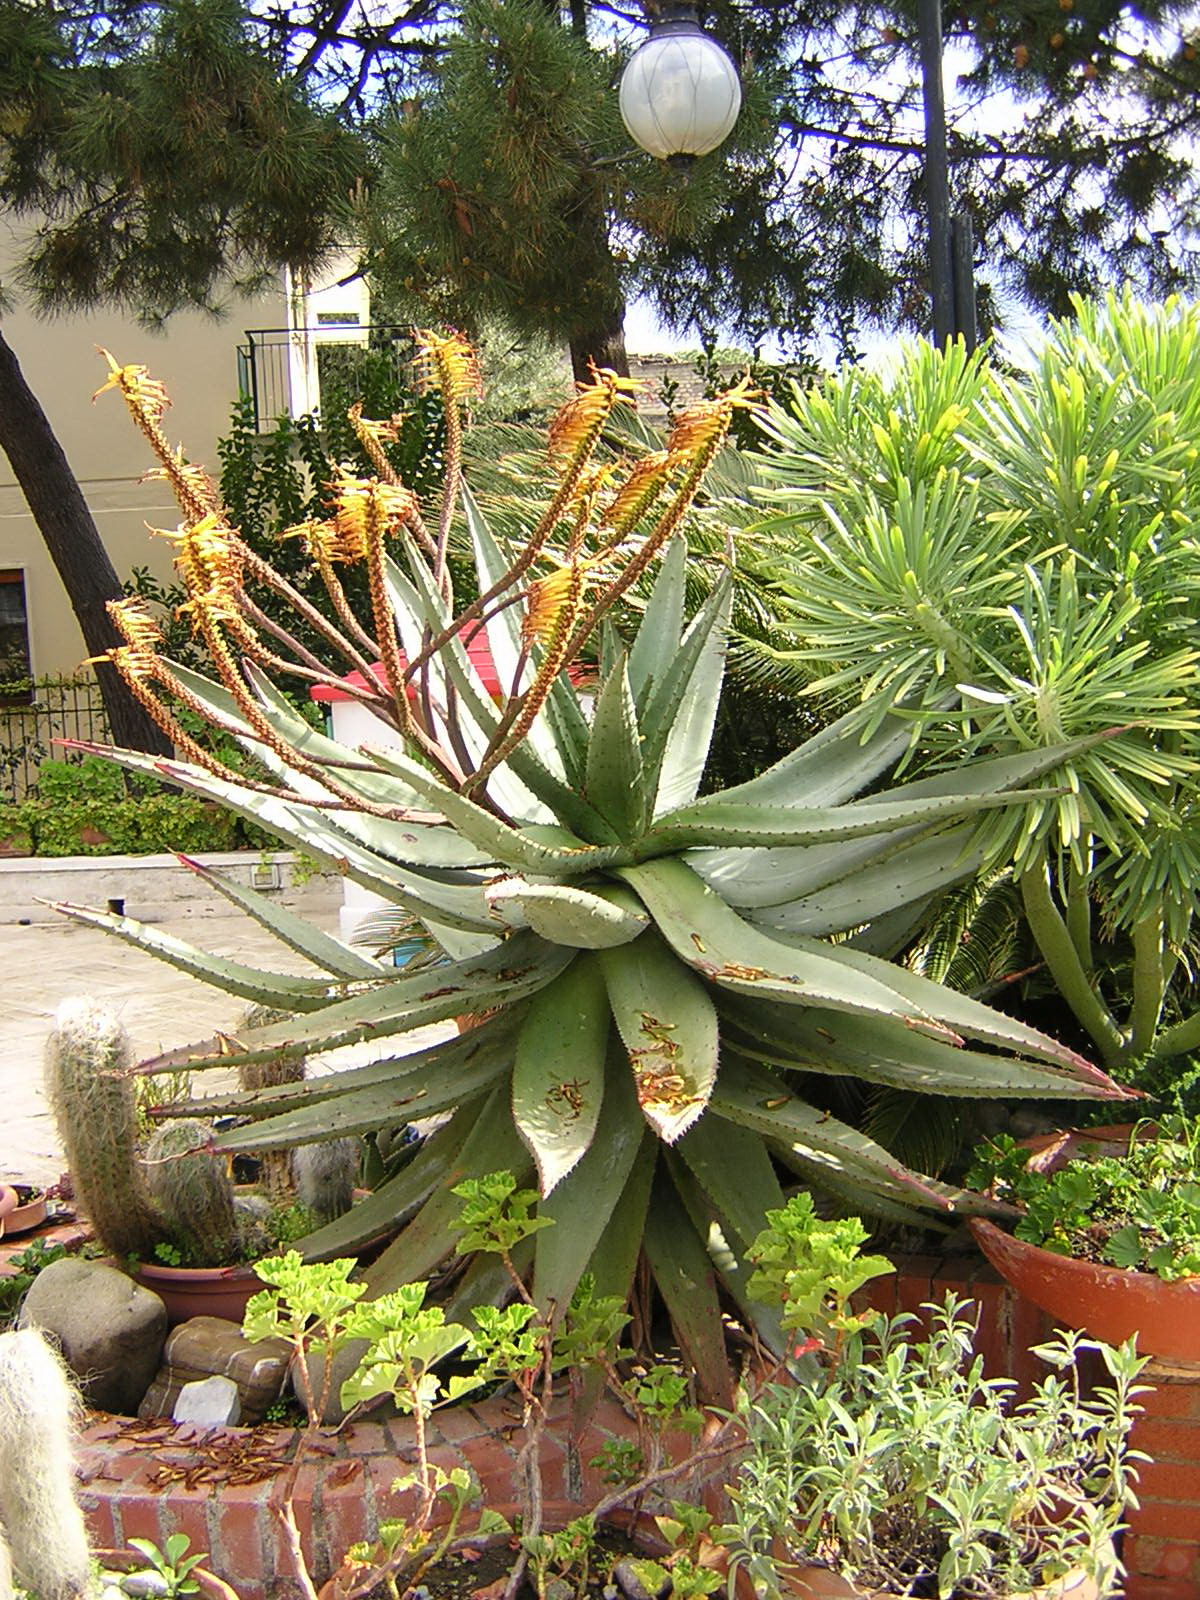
<point x="1073" y="1585"/>
<point x="240" y="1271"/>
<point x="26" y="1214"/>
<point x="1078" y="1266"/>
<point x="210" y="1585"/>
<point x="9" y="1199"/>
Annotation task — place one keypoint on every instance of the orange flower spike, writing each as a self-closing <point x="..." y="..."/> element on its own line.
<point x="700" y="431"/>
<point x="362" y="505"/>
<point x="637" y="494"/>
<point x="447" y="362"/>
<point x="372" y="436"/>
<point x="136" y="626"/>
<point x="550" y="599"/>
<point x="578" y="424"/>
<point x="141" y="392"/>
<point x="208" y="559"/>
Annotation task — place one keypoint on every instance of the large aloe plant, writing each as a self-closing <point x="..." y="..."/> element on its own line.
<point x="651" y="968"/>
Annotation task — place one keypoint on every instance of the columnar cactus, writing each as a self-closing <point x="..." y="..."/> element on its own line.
<point x="87" y="1057"/>
<point x="192" y="1188"/>
<point x="41" y="1525"/>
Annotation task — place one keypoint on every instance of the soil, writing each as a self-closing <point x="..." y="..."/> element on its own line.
<point x="482" y="1574"/>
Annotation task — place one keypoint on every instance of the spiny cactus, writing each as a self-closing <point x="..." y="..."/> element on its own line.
<point x="191" y="1187"/>
<point x="40" y="1522"/>
<point x="87" y="1056"/>
<point x="325" y="1175"/>
<point x="276" y="1170"/>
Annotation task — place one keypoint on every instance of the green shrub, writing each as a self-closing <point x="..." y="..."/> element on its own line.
<point x="16" y="838"/>
<point x="89" y="779"/>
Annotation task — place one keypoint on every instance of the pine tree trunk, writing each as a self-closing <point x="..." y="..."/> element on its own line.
<point x="65" y="523"/>
<point x="603" y="344"/>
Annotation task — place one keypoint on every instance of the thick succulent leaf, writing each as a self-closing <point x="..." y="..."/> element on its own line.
<point x="314" y="831"/>
<point x="971" y="1017"/>
<point x="585" y="1200"/>
<point x="421" y="607"/>
<point x="891" y="932"/>
<point x="571" y="729"/>
<point x="678" y="736"/>
<point x="293" y="730"/>
<point x="615" y="1258"/>
<point x="487" y="1282"/>
<point x="890" y="877"/>
<point x="686" y="1279"/>
<point x="669" y="1028"/>
<point x="409" y="1097"/>
<point x="887" y="1052"/>
<point x="263" y="988"/>
<point x="509" y="972"/>
<point x="829" y="768"/>
<point x="713" y="939"/>
<point x="513" y="847"/>
<point x="716" y="821"/>
<point x="381" y="1213"/>
<point x="657" y="641"/>
<point x="616" y="784"/>
<point x="558" y="1072"/>
<point x="763" y="1103"/>
<point x="299" y="933"/>
<point x="566" y="914"/>
<point x="491" y="1146"/>
<point x="733" y="1168"/>
<point x="723" y="1245"/>
<point x="449" y="1056"/>
<point x="855" y="1199"/>
<point x="750" y="879"/>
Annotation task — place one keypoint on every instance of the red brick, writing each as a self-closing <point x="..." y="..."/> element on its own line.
<point x="187" y="1513"/>
<point x="365" y="1439"/>
<point x="137" y="1513"/>
<point x="1170" y="1480"/>
<point x="1167" y="1441"/>
<point x="237" y="1530"/>
<point x="1170" y="1400"/>
<point x="915" y="1283"/>
<point x="98" y="1513"/>
<point x="1161" y="1558"/>
<point x="1138" y="1588"/>
<point x="345" y="1515"/>
<point x="1166" y="1520"/>
<point x="457" y="1423"/>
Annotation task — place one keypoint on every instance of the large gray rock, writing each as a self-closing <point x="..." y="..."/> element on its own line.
<point x="110" y="1330"/>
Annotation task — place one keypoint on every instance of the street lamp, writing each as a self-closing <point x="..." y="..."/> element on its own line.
<point x="680" y="94"/>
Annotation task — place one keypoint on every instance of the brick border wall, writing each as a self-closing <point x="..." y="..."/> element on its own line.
<point x="217" y="1485"/>
<point x="147" y="1480"/>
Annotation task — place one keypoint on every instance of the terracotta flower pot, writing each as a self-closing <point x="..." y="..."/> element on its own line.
<point x="200" y="1291"/>
<point x="26" y="1214"/>
<point x="211" y="1587"/>
<point x="819" y="1583"/>
<point x="8" y="1204"/>
<point x="1110" y="1303"/>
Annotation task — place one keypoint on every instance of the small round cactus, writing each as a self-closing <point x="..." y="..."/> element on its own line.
<point x="193" y="1191"/>
<point x="325" y="1175"/>
<point x="87" y="1061"/>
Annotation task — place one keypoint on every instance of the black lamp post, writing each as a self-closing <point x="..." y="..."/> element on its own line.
<point x="951" y="243"/>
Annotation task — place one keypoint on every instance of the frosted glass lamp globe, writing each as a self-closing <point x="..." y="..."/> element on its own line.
<point x="680" y="94"/>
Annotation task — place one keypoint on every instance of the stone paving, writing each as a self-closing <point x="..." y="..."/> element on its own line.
<point x="46" y="962"/>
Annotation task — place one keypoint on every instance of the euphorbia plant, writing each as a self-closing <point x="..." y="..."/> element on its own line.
<point x="1013" y="556"/>
<point x="650" y="966"/>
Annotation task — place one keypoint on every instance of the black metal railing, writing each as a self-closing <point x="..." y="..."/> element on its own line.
<point x="62" y="708"/>
<point x="342" y="350"/>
